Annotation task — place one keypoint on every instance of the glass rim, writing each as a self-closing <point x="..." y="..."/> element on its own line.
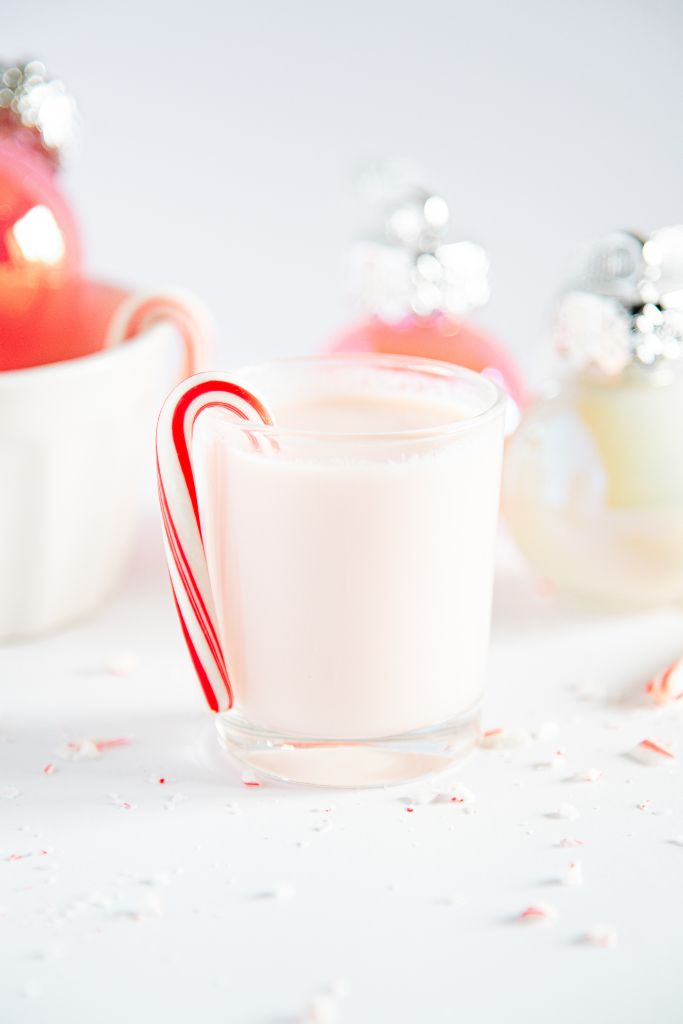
<point x="419" y="364"/>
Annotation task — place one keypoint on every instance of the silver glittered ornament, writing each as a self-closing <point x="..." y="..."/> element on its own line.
<point x="626" y="307"/>
<point x="406" y="264"/>
<point x="32" y="99"/>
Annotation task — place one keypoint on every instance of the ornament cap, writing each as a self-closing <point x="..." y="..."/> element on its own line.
<point x="406" y="266"/>
<point x="626" y="305"/>
<point x="31" y="99"/>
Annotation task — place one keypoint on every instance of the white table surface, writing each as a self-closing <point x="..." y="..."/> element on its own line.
<point x="164" y="911"/>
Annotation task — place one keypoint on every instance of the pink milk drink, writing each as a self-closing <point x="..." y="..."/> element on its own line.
<point x="330" y="527"/>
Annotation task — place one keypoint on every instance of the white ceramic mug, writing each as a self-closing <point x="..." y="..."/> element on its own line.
<point x="74" y="439"/>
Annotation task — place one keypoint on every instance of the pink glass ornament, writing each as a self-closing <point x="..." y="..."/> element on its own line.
<point x="437" y="337"/>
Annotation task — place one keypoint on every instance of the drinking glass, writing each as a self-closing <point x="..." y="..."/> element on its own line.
<point x="336" y="592"/>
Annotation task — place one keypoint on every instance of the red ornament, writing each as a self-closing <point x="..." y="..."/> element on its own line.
<point x="40" y="247"/>
<point x="64" y="322"/>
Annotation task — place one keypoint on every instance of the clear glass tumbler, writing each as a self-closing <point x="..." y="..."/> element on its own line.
<point x="349" y="552"/>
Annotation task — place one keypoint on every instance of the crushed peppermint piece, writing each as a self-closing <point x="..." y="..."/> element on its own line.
<point x="121" y="664"/>
<point x="29" y="853"/>
<point x="9" y="792"/>
<point x="565" y="811"/>
<point x="409" y="810"/>
<point x="250" y="779"/>
<point x="117" y="801"/>
<point x="118" y="741"/>
<point x="459" y="793"/>
<point x="151" y="907"/>
<point x="556" y="763"/>
<point x="452" y="793"/>
<point x="173" y="801"/>
<point x="160" y="780"/>
<point x="651" y="752"/>
<point x="602" y="937"/>
<point x="588" y="775"/>
<point x="504" y="739"/>
<point x="233" y="808"/>
<point x="573" y="876"/>
<point x="79" y="750"/>
<point x="539" y="912"/>
<point x="49" y="769"/>
<point x="545" y="732"/>
<point x="667" y="686"/>
<point x="87" y="749"/>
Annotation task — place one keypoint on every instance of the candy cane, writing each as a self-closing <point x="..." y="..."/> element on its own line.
<point x="667" y="686"/>
<point x="181" y="520"/>
<point x="141" y="310"/>
<point x="652" y="752"/>
<point x="538" y="912"/>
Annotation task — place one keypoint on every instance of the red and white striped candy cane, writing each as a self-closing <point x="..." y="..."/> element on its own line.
<point x="667" y="686"/>
<point x="140" y="310"/>
<point x="182" y="526"/>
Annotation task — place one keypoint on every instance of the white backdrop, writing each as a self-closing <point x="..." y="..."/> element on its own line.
<point x="220" y="140"/>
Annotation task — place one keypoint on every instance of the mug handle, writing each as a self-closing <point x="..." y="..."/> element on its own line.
<point x="183" y="540"/>
<point x="141" y="310"/>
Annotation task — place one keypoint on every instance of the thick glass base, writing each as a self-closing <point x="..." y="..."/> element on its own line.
<point x="385" y="761"/>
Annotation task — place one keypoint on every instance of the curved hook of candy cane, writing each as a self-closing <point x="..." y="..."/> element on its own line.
<point x="667" y="686"/>
<point x="141" y="310"/>
<point x="181" y="519"/>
